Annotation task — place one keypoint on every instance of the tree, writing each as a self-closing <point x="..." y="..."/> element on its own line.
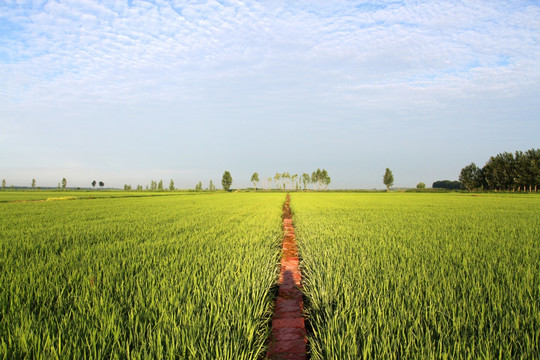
<point x="139" y="188"/>
<point x="226" y="181"/>
<point x="269" y="182"/>
<point x="94" y="183"/>
<point x="470" y="177"/>
<point x="101" y="184"/>
<point x="285" y="177"/>
<point x="276" y="178"/>
<point x="160" y="185"/>
<point x="198" y="187"/>
<point x="388" y="179"/>
<point x="211" y="186"/>
<point x="306" y="179"/>
<point x="314" y="180"/>
<point x="153" y="185"/>
<point x="171" y="185"/>
<point x="127" y="187"/>
<point x="420" y="185"/>
<point x="326" y="180"/>
<point x="447" y="184"/>
<point x="255" y="180"/>
<point x="3" y="184"/>
<point x="294" y="179"/>
<point x="33" y="183"/>
<point x="64" y="183"/>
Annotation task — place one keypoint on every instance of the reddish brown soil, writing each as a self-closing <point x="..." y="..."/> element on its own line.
<point x="288" y="339"/>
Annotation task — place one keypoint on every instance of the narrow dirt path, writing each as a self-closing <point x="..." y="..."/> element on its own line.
<point x="288" y="328"/>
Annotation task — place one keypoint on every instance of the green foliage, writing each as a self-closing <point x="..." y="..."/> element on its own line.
<point x="447" y="184"/>
<point x="171" y="185"/>
<point x="226" y="181"/>
<point x="388" y="179"/>
<point x="255" y="179"/>
<point x="3" y="184"/>
<point x="177" y="276"/>
<point x="421" y="185"/>
<point x="471" y="177"/>
<point x="64" y="183"/>
<point x="160" y="185"/>
<point x="420" y="276"/>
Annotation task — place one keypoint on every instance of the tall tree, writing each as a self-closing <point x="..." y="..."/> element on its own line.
<point x="306" y="179"/>
<point x="171" y="185"/>
<point x="388" y="179"/>
<point x="294" y="179"/>
<point x="211" y="186"/>
<point x="269" y="182"/>
<point x="285" y="177"/>
<point x="64" y="183"/>
<point x="33" y="183"/>
<point x="277" y="177"/>
<point x="101" y="184"/>
<point x="226" y="181"/>
<point x="314" y="180"/>
<point x="471" y="177"/>
<point x="3" y="184"/>
<point x="421" y="185"/>
<point x="94" y="183"/>
<point x="255" y="180"/>
<point x="160" y="185"/>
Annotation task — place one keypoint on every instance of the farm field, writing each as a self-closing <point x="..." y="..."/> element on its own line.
<point x="54" y="195"/>
<point x="180" y="276"/>
<point x="430" y="276"/>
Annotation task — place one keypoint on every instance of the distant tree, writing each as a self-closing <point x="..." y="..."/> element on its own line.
<point x="314" y="180"/>
<point x="470" y="177"/>
<point x="139" y="188"/>
<point x="101" y="184"/>
<point x="94" y="183"/>
<point x="127" y="187"/>
<point x="211" y="186"/>
<point x="388" y="179"/>
<point x="198" y="186"/>
<point x="226" y="181"/>
<point x="153" y="185"/>
<point x="325" y="179"/>
<point x="306" y="179"/>
<point x="269" y="179"/>
<point x="64" y="183"/>
<point x="447" y="184"/>
<point x="255" y="180"/>
<point x="160" y="185"/>
<point x="171" y="185"/>
<point x="294" y="179"/>
<point x="285" y="177"/>
<point x="420" y="185"/>
<point x="33" y="183"/>
<point x="3" y="184"/>
<point x="277" y="177"/>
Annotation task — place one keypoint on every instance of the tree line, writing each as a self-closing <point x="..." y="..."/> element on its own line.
<point x="287" y="181"/>
<point x="519" y="171"/>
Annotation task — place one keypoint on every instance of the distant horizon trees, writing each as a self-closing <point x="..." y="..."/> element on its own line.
<point x="94" y="183"/>
<point x="388" y="179"/>
<point x="447" y="184"/>
<point x="519" y="171"/>
<point x="255" y="180"/>
<point x="226" y="181"/>
<point x="64" y="183"/>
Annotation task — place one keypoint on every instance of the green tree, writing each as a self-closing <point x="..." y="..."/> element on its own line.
<point x="64" y="183"/>
<point x="160" y="185"/>
<point x="269" y="179"/>
<point x="33" y="183"/>
<point x="470" y="177"/>
<point x="198" y="187"/>
<point x="388" y="179"/>
<point x="294" y="179"/>
<point x="139" y="188"/>
<point x="226" y="181"/>
<point x="255" y="180"/>
<point x="306" y="179"/>
<point x="211" y="186"/>
<point x="420" y="185"/>
<point x="101" y="184"/>
<point x="171" y="185"/>
<point x="285" y="177"/>
<point x="3" y="184"/>
<point x="94" y="183"/>
<point x="277" y="177"/>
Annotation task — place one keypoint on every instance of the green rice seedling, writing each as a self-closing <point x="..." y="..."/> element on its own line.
<point x="184" y="277"/>
<point x="430" y="276"/>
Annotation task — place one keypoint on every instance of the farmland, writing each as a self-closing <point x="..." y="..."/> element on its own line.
<point x="192" y="275"/>
<point x="420" y="275"/>
<point x="173" y="276"/>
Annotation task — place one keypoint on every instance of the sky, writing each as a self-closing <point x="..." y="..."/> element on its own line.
<point x="126" y="92"/>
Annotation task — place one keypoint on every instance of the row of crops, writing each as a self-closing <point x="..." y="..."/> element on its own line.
<point x="168" y="277"/>
<point x="396" y="276"/>
<point x="191" y="276"/>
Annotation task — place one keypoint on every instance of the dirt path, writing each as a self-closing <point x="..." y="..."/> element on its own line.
<point x="288" y="328"/>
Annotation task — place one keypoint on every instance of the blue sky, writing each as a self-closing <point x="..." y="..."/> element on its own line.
<point x="134" y="91"/>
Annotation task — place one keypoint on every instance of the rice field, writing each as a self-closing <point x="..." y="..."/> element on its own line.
<point x="181" y="276"/>
<point x="191" y="275"/>
<point x="423" y="276"/>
